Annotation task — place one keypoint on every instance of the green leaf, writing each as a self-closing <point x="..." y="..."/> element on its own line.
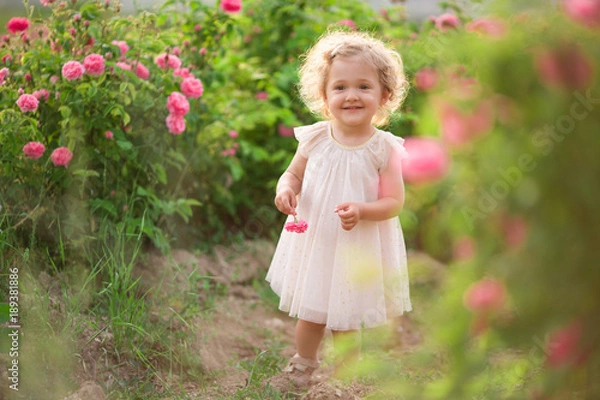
<point x="125" y="144"/>
<point x="86" y="173"/>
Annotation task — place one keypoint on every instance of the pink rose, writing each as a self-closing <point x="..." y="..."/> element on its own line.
<point x="61" y="156"/>
<point x="94" y="64"/>
<point x="564" y="346"/>
<point x="458" y="128"/>
<point x="231" y="6"/>
<point x="141" y="71"/>
<point x="586" y="12"/>
<point x="177" y="104"/>
<point x="4" y="72"/>
<point x="17" y="24"/>
<point x="427" y="161"/>
<point x="447" y="21"/>
<point x="233" y="134"/>
<point x="485" y="296"/>
<point x="122" y="45"/>
<point x="347" y="22"/>
<point x="72" y="70"/>
<point x="175" y="123"/>
<point x="182" y="72"/>
<point x="565" y="67"/>
<point x="123" y="65"/>
<point x="165" y="61"/>
<point x="54" y="79"/>
<point x="285" y="130"/>
<point x="109" y="135"/>
<point x="262" y="96"/>
<point x="27" y="102"/>
<point x="426" y="79"/>
<point x="41" y="94"/>
<point x="202" y="51"/>
<point x="297" y="226"/>
<point x="192" y="87"/>
<point x="34" y="150"/>
<point x="488" y="26"/>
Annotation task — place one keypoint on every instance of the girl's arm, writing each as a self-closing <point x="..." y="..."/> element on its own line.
<point x="289" y="185"/>
<point x="388" y="205"/>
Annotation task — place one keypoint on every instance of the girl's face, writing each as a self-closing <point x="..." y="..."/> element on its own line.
<point x="353" y="92"/>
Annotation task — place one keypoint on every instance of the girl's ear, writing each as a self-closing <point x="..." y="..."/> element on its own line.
<point x="385" y="97"/>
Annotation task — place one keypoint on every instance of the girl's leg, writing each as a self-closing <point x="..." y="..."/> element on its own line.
<point x="346" y="347"/>
<point x="308" y="339"/>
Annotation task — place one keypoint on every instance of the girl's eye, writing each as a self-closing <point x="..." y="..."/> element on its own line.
<point x="339" y="87"/>
<point x="364" y="87"/>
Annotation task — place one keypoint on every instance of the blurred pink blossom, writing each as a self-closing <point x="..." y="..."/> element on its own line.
<point x="4" y="72"/>
<point x="492" y="27"/>
<point x="565" y="67"/>
<point x="458" y="128"/>
<point x="197" y="27"/>
<point x="464" y="248"/>
<point x="72" y="70"/>
<point x="54" y="79"/>
<point x="485" y="296"/>
<point x="6" y="58"/>
<point x="285" y="130"/>
<point x="123" y="65"/>
<point x="176" y="51"/>
<point x="165" y="61"/>
<point x="427" y="160"/>
<point x="182" y="72"/>
<point x="515" y="231"/>
<point x="175" y="123"/>
<point x="347" y="22"/>
<point x="233" y="134"/>
<point x="426" y="78"/>
<point x="61" y="156"/>
<point x="141" y="71"/>
<point x="41" y="94"/>
<point x="231" y="6"/>
<point x="34" y="150"/>
<point x="27" y="102"/>
<point x="202" y="51"/>
<point x="586" y="12"/>
<point x="177" y="104"/>
<point x="77" y="17"/>
<point x="17" y="24"/>
<point x="564" y="346"/>
<point x="262" y="96"/>
<point x="47" y="3"/>
<point x="94" y="64"/>
<point x="122" y="45"/>
<point x="447" y="21"/>
<point x="109" y="135"/>
<point x="27" y="77"/>
<point x="192" y="87"/>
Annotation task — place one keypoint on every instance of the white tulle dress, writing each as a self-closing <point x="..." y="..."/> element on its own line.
<point x="344" y="279"/>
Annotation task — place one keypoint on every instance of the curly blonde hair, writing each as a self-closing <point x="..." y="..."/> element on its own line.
<point x="317" y="63"/>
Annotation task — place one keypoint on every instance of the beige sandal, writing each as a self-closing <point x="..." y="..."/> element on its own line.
<point x="296" y="375"/>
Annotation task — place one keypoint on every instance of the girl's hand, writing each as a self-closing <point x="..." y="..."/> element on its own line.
<point x="285" y="201"/>
<point x="349" y="214"/>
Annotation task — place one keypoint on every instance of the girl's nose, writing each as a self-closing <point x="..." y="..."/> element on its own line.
<point x="351" y="94"/>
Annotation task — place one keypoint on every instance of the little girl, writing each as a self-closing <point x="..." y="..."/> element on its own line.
<point x="348" y="270"/>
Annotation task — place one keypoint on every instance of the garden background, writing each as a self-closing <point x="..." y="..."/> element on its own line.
<point x="139" y="156"/>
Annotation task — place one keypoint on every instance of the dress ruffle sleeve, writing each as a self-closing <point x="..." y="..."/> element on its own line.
<point x="309" y="136"/>
<point x="382" y="148"/>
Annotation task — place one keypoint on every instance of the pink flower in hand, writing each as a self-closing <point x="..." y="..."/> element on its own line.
<point x="94" y="64"/>
<point x="192" y="87"/>
<point x="27" y="102"/>
<point x="34" y="150"/>
<point x="297" y="226"/>
<point x="427" y="161"/>
<point x="231" y="6"/>
<point x="72" y="70"/>
<point x="177" y="104"/>
<point x="61" y="156"/>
